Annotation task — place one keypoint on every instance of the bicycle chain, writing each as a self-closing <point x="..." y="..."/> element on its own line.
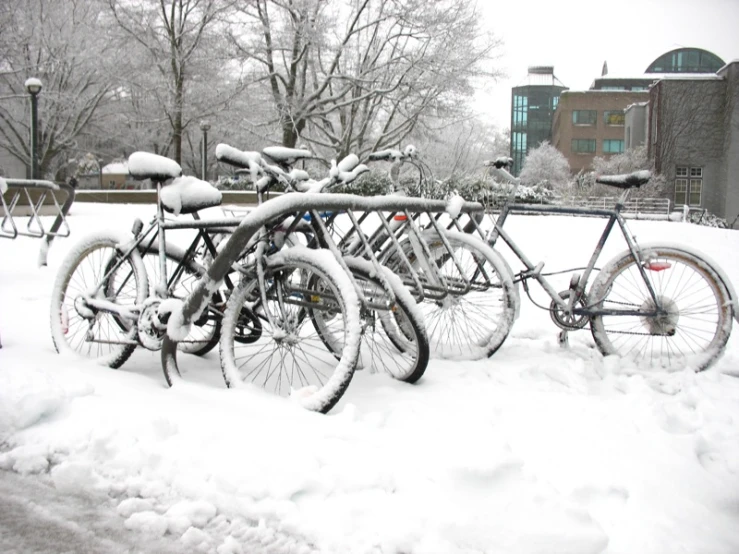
<point x="632" y="332"/>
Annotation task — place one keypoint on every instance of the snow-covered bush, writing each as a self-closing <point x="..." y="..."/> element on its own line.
<point x="633" y="159"/>
<point x="545" y="166"/>
<point x="707" y="219"/>
<point x="372" y="183"/>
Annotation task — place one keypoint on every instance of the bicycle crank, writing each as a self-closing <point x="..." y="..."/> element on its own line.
<point x="564" y="319"/>
<point x="151" y="329"/>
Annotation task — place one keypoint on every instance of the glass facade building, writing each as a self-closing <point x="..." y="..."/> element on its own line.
<point x="532" y="109"/>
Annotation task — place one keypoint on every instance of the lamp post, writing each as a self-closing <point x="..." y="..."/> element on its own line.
<point x="33" y="86"/>
<point x="204" y="126"/>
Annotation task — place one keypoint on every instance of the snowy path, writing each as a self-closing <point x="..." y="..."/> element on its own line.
<point x="535" y="450"/>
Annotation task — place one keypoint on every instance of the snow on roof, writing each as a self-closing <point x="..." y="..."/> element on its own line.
<point x="636" y="105"/>
<point x="688" y="76"/>
<point x="541" y="76"/>
<point x="117" y="168"/>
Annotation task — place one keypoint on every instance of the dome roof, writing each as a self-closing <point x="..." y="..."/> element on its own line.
<point x="686" y="60"/>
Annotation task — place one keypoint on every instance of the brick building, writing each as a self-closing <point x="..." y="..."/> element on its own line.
<point x="591" y="123"/>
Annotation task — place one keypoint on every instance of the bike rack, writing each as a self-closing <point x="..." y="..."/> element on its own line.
<point x="24" y="198"/>
<point x="425" y="213"/>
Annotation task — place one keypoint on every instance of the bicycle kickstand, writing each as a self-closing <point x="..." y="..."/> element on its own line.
<point x="563" y="339"/>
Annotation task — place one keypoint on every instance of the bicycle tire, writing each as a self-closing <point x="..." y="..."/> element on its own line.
<point x="471" y="325"/>
<point x="205" y="332"/>
<point x="697" y="319"/>
<point x="105" y="337"/>
<point x="290" y="353"/>
<point x="394" y="340"/>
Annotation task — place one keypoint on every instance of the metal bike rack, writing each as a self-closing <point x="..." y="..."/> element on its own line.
<point x="24" y="199"/>
<point x="278" y="208"/>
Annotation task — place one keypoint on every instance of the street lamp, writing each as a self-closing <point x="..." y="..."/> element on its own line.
<point x="204" y="126"/>
<point x="33" y="86"/>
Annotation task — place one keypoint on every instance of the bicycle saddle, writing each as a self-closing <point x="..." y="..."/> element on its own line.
<point x="625" y="181"/>
<point x="286" y="156"/>
<point x="144" y="165"/>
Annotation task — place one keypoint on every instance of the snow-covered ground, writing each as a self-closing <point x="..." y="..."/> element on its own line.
<point x="535" y="450"/>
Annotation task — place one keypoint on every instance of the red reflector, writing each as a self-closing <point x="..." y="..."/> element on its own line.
<point x="65" y="320"/>
<point x="400" y="217"/>
<point x="657" y="266"/>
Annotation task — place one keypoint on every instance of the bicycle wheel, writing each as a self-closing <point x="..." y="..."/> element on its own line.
<point x="205" y="332"/>
<point x="106" y="336"/>
<point x="288" y="357"/>
<point x="471" y="324"/>
<point x="690" y="329"/>
<point x="393" y="338"/>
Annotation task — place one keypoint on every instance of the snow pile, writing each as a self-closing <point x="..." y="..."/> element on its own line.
<point x="536" y="450"/>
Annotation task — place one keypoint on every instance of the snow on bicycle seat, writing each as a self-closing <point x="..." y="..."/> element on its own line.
<point x="189" y="194"/>
<point x="287" y="156"/>
<point x="628" y="180"/>
<point x="242" y="159"/>
<point x="144" y="165"/>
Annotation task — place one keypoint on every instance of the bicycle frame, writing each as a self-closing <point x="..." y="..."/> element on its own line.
<point x="532" y="271"/>
<point x="156" y="230"/>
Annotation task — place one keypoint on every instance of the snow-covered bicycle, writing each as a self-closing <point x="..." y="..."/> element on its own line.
<point x="393" y="339"/>
<point x="103" y="307"/>
<point x="663" y="305"/>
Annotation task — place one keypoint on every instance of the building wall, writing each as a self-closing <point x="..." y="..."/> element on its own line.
<point x="635" y="131"/>
<point x="565" y="129"/>
<point x="689" y="129"/>
<point x="730" y="167"/>
<point x="531" y="119"/>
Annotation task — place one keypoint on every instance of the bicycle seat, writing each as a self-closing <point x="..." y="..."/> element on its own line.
<point x="144" y="165"/>
<point x="625" y="181"/>
<point x="499" y="163"/>
<point x="243" y="159"/>
<point x="286" y="156"/>
<point x="186" y="195"/>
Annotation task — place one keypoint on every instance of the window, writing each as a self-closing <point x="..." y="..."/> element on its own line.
<point x="520" y="111"/>
<point x="688" y="185"/>
<point x="584" y="117"/>
<point x="613" y="146"/>
<point x="613" y="88"/>
<point x="614" y="117"/>
<point x="583" y="146"/>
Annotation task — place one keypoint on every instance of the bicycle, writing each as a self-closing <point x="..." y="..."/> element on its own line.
<point x="103" y="307"/>
<point x="392" y="340"/>
<point x="654" y="304"/>
<point x="464" y="288"/>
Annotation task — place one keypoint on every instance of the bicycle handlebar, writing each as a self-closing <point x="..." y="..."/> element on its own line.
<point x="343" y="172"/>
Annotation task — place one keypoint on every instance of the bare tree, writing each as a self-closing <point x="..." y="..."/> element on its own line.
<point x="59" y="42"/>
<point x="361" y="75"/>
<point x="458" y="148"/>
<point x="180" y="40"/>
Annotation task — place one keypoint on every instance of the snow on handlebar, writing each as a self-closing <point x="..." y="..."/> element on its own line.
<point x="341" y="173"/>
<point x="393" y="155"/>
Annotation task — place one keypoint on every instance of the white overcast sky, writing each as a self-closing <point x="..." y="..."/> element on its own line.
<point x="577" y="36"/>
